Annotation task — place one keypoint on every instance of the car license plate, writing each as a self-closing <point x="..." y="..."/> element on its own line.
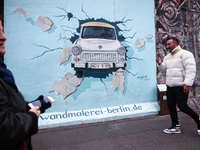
<point x="100" y="66"/>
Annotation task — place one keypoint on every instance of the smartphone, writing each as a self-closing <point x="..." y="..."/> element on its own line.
<point x="38" y="103"/>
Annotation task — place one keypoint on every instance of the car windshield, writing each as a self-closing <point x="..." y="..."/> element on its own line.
<point x="98" y="32"/>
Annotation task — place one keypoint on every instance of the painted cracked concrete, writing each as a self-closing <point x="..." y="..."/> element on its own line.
<point x="64" y="88"/>
<point x="119" y="80"/>
<point x="34" y="55"/>
<point x="66" y="85"/>
<point x="44" y="22"/>
<point x="20" y="11"/>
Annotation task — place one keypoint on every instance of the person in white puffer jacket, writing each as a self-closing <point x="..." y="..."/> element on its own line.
<point x="180" y="69"/>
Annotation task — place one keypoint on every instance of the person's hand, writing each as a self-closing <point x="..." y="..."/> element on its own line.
<point x="44" y="105"/>
<point x="36" y="110"/>
<point x="158" y="60"/>
<point x="186" y="89"/>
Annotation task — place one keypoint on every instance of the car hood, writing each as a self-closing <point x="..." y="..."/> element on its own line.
<point x="98" y="44"/>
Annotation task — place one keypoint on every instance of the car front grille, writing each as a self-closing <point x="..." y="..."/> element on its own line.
<point x="100" y="57"/>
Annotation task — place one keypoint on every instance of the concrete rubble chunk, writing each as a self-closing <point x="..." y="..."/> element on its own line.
<point x="118" y="80"/>
<point x="20" y="11"/>
<point x="44" y="22"/>
<point x="65" y="54"/>
<point x="66" y="85"/>
<point x="139" y="43"/>
<point x="149" y="36"/>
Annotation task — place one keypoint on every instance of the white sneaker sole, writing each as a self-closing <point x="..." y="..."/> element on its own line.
<point x="171" y="132"/>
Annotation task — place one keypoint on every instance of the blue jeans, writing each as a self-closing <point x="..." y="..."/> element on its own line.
<point x="176" y="96"/>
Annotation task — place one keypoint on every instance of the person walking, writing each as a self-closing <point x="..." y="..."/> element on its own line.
<point x="180" y="69"/>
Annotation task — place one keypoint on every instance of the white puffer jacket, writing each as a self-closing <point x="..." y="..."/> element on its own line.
<point x="179" y="67"/>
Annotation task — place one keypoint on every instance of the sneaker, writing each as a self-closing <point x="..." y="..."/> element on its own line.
<point x="173" y="129"/>
<point x="198" y="127"/>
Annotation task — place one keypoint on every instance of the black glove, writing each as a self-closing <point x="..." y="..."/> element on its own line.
<point x="41" y="97"/>
<point x="44" y="105"/>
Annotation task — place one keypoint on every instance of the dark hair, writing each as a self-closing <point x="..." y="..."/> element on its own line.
<point x="1" y="19"/>
<point x="173" y="38"/>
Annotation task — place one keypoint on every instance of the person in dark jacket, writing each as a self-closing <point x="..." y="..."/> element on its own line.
<point x="17" y="120"/>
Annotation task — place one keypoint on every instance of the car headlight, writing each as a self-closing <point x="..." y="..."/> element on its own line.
<point x="76" y="50"/>
<point x="121" y="50"/>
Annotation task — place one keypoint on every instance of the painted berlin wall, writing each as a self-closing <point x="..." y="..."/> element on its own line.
<point x="40" y="36"/>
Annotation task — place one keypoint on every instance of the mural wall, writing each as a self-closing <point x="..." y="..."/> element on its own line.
<point x="40" y="40"/>
<point x="179" y="18"/>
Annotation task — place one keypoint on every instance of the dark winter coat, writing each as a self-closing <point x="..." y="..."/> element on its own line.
<point x="17" y="124"/>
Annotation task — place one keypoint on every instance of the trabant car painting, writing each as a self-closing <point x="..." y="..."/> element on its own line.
<point x="97" y="49"/>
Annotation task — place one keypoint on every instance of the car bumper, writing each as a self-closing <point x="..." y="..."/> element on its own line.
<point x="98" y="65"/>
